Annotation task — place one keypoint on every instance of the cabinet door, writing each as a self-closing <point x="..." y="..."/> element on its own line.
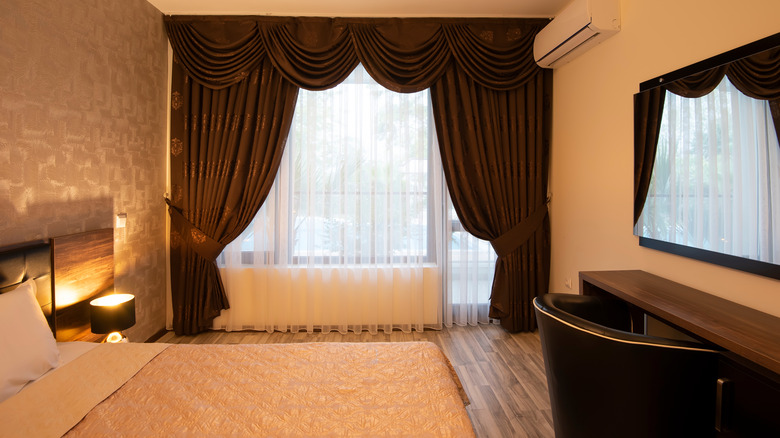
<point x="750" y="406"/>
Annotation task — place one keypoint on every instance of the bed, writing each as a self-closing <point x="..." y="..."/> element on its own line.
<point x="316" y="389"/>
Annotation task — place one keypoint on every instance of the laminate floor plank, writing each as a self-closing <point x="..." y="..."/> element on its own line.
<point x="502" y="373"/>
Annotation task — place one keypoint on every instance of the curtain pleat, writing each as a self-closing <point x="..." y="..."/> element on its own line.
<point x="756" y="76"/>
<point x="313" y="67"/>
<point x="699" y="84"/>
<point x="492" y="66"/>
<point x="213" y="61"/>
<point x="502" y="113"/>
<point x="400" y="69"/>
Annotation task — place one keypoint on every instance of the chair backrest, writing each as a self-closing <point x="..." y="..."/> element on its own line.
<point x="606" y="382"/>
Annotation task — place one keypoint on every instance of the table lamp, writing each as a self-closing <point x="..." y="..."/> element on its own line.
<point x="111" y="314"/>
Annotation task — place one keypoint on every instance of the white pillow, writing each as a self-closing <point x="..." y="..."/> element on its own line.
<point x="26" y="341"/>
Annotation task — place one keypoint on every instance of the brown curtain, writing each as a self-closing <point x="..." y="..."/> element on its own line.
<point x="494" y="147"/>
<point x="757" y="76"/>
<point x="226" y="146"/>
<point x="491" y="58"/>
<point x="648" y="109"/>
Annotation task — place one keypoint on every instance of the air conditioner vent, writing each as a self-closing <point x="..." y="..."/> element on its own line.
<point x="581" y="25"/>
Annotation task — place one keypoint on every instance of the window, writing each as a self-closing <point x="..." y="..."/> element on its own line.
<point x="358" y="231"/>
<point x="355" y="184"/>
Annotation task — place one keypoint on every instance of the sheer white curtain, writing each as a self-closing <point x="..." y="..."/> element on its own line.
<point x="355" y="233"/>
<point x="719" y="186"/>
<point x="470" y="265"/>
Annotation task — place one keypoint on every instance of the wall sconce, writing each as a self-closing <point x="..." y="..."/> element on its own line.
<point x="110" y="314"/>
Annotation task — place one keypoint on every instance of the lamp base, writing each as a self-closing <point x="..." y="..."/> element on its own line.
<point x="115" y="338"/>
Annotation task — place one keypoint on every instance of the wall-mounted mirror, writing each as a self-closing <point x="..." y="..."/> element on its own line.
<point x="707" y="160"/>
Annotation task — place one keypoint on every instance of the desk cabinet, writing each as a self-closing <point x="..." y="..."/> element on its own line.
<point x="751" y="406"/>
<point x="749" y="367"/>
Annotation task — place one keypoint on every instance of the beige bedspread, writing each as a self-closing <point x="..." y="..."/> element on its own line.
<point x="52" y="405"/>
<point x="323" y="389"/>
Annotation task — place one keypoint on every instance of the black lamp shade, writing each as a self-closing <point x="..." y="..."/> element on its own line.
<point x="112" y="313"/>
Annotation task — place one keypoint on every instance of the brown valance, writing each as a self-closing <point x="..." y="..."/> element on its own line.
<point x="402" y="54"/>
<point x="757" y="76"/>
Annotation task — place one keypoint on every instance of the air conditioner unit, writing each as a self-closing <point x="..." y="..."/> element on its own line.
<point x="581" y="25"/>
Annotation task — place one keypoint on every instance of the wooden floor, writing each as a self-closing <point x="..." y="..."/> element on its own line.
<point x="502" y="373"/>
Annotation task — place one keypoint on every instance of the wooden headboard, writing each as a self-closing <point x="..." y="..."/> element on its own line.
<point x="83" y="269"/>
<point x="20" y="262"/>
<point x="69" y="271"/>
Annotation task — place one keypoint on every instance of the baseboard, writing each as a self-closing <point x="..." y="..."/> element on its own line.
<point x="157" y="336"/>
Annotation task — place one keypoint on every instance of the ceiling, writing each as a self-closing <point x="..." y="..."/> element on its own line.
<point x="365" y="8"/>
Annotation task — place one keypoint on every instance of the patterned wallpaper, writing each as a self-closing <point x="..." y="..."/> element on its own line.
<point x="83" y="88"/>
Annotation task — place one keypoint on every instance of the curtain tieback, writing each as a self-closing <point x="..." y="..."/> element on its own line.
<point x="508" y="242"/>
<point x="193" y="236"/>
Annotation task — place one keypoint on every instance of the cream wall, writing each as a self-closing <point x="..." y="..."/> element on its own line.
<point x="592" y="149"/>
<point x="83" y="133"/>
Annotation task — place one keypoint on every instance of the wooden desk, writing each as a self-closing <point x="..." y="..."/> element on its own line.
<point x="747" y="332"/>
<point x="750" y="363"/>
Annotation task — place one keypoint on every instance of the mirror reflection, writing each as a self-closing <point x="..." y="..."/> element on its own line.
<point x="707" y="162"/>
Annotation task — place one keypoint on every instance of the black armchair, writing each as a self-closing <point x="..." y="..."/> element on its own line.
<point x="607" y="382"/>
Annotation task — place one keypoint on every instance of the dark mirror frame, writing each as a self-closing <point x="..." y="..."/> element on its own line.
<point x="730" y="261"/>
